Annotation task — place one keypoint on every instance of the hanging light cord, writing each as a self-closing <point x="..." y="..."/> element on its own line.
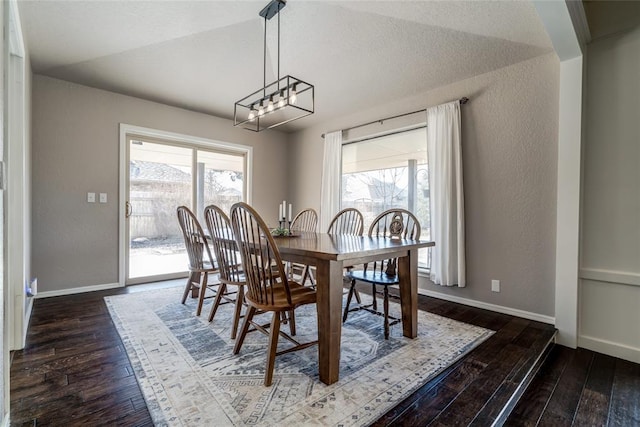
<point x="278" y="47"/>
<point x="264" y="62"/>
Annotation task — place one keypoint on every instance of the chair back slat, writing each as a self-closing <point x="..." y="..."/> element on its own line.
<point x="394" y="223"/>
<point x="194" y="239"/>
<point x="224" y="245"/>
<point x="305" y="220"/>
<point x="261" y="261"/>
<point x="348" y="221"/>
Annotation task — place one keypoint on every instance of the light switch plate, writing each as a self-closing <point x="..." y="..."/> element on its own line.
<point x="91" y="197"/>
<point x="103" y="197"/>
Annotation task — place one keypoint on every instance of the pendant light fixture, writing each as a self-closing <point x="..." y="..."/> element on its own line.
<point x="282" y="101"/>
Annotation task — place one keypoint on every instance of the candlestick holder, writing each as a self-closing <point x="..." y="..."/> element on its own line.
<point x="284" y="224"/>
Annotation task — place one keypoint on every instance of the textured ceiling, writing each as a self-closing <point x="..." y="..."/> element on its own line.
<point x="205" y="55"/>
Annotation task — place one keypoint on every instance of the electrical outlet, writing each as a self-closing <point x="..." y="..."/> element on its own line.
<point x="495" y="285"/>
<point x="103" y="197"/>
<point x="91" y="197"/>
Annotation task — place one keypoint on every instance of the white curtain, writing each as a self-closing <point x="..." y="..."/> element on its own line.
<point x="331" y="177"/>
<point x="446" y="194"/>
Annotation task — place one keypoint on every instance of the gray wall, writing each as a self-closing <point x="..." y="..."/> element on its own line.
<point x="75" y="150"/>
<point x="510" y="160"/>
<point x="610" y="244"/>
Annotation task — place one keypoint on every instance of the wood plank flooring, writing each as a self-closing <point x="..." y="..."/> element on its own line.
<point x="75" y="371"/>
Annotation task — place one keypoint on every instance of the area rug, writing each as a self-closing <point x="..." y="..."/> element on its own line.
<point x="189" y="376"/>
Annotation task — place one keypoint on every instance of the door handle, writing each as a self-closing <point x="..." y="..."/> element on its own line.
<point x="128" y="209"/>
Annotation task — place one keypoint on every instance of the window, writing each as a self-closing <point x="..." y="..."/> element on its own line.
<point x="386" y="172"/>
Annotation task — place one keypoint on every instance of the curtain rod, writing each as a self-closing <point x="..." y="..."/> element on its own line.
<point x="463" y="101"/>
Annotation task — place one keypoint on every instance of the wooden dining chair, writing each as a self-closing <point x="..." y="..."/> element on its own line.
<point x="268" y="287"/>
<point x="305" y="220"/>
<point x="229" y="263"/>
<point x="348" y="221"/>
<point x="201" y="263"/>
<point x="395" y="224"/>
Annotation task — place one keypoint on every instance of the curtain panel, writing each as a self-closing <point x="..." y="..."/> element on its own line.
<point x="446" y="195"/>
<point x="331" y="177"/>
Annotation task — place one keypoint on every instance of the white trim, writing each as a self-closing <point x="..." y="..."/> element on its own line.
<point x="5" y="421"/>
<point x="492" y="307"/>
<point x="580" y="23"/>
<point x="610" y="276"/>
<point x="28" y="319"/>
<point x="80" y="290"/>
<point x="609" y="347"/>
<point x="125" y="129"/>
<point x="16" y="40"/>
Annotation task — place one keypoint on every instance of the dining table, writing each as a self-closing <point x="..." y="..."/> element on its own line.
<point x="329" y="254"/>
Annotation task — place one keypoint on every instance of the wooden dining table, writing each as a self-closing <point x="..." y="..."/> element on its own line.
<point x="329" y="254"/>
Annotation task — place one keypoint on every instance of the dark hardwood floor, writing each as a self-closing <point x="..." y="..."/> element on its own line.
<point x="75" y="371"/>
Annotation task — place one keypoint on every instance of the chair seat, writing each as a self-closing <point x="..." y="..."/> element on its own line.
<point x="300" y="295"/>
<point x="377" y="277"/>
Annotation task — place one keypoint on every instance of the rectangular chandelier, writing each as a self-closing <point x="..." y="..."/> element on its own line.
<point x="278" y="103"/>
<point x="282" y="101"/>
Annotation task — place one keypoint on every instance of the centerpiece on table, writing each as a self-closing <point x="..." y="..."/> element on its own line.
<point x="281" y="232"/>
<point x="284" y="226"/>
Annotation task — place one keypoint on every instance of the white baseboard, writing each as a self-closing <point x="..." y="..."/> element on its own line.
<point x="79" y="290"/>
<point x="492" y="307"/>
<point x="611" y="348"/>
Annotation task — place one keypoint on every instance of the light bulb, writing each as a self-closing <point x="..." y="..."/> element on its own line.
<point x="252" y="115"/>
<point x="294" y="96"/>
<point x="281" y="101"/>
<point x="261" y="110"/>
<point x="270" y="104"/>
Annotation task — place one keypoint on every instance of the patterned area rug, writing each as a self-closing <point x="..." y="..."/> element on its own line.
<point x="189" y="376"/>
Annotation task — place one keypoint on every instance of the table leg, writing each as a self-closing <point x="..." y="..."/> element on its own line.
<point x="329" y="306"/>
<point x="408" y="275"/>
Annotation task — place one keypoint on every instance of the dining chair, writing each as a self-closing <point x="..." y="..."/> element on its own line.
<point x="395" y="224"/>
<point x="268" y="287"/>
<point x="305" y="220"/>
<point x="229" y="263"/>
<point x="348" y="221"/>
<point x="201" y="262"/>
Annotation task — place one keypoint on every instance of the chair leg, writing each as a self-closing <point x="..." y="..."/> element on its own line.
<point x="313" y="279"/>
<point x="194" y="289"/>
<point x="245" y="328"/>
<point x="188" y="287"/>
<point x="203" y="289"/>
<point x="222" y="289"/>
<point x="238" y="312"/>
<point x="308" y="274"/>
<point x="352" y="289"/>
<point x="386" y="312"/>
<point x="292" y="323"/>
<point x="357" y="295"/>
<point x="274" y="333"/>
<point x="373" y="294"/>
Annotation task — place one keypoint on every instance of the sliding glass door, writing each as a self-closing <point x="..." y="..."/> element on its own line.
<point x="163" y="175"/>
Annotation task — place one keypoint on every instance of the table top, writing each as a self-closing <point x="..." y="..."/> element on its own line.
<point x="344" y="247"/>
